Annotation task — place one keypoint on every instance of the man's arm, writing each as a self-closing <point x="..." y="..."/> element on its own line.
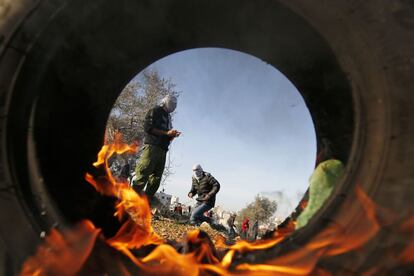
<point x="193" y="190"/>
<point x="215" y="187"/>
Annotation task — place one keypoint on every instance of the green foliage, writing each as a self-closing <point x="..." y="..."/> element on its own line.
<point x="261" y="209"/>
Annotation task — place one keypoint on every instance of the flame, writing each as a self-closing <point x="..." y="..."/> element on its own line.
<point x="137" y="230"/>
<point x="66" y="253"/>
<point x="303" y="204"/>
<point x="63" y="253"/>
<point x="116" y="147"/>
<point x="286" y="230"/>
<point x="333" y="240"/>
<point x="407" y="255"/>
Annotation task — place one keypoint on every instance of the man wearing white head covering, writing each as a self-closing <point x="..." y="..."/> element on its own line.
<point x="169" y="103"/>
<point x="206" y="187"/>
<point x="158" y="136"/>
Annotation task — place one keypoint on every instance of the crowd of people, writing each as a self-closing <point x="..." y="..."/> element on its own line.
<point x="244" y="231"/>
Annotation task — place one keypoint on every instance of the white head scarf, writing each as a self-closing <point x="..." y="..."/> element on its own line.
<point x="169" y="102"/>
<point x="197" y="171"/>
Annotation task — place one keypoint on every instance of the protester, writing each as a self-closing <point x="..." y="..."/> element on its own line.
<point x="230" y="224"/>
<point x="206" y="187"/>
<point x="245" y="228"/>
<point x="255" y="230"/>
<point x="158" y="136"/>
<point x="179" y="209"/>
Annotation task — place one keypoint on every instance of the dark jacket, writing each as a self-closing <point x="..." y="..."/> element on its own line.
<point x="206" y="185"/>
<point x="157" y="118"/>
<point x="230" y="221"/>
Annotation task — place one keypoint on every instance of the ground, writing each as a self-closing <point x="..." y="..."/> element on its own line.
<point x="171" y="229"/>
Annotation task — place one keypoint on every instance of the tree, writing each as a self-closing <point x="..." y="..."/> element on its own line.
<point x="260" y="209"/>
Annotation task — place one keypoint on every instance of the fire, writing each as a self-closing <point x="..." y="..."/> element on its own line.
<point x="285" y="230"/>
<point x="137" y="230"/>
<point x="407" y="255"/>
<point x="65" y="253"/>
<point x="333" y="240"/>
<point x="303" y="204"/>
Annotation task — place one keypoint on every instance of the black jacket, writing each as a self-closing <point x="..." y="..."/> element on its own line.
<point x="206" y="185"/>
<point x="157" y="118"/>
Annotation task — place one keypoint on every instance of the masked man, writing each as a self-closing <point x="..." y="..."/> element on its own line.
<point x="206" y="187"/>
<point x="158" y="136"/>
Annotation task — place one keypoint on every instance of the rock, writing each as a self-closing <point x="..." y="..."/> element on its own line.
<point x="205" y="226"/>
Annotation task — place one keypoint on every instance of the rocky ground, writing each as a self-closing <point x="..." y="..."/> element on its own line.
<point x="171" y="229"/>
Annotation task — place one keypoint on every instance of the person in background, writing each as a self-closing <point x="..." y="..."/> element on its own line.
<point x="255" y="230"/>
<point x="245" y="228"/>
<point x="179" y="209"/>
<point x="158" y="136"/>
<point x="230" y="224"/>
<point x="205" y="186"/>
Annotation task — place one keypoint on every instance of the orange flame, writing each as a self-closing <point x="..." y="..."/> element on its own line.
<point x="407" y="255"/>
<point x="286" y="230"/>
<point x="303" y="204"/>
<point x="137" y="230"/>
<point x="63" y="254"/>
<point x="333" y="240"/>
<point x="71" y="249"/>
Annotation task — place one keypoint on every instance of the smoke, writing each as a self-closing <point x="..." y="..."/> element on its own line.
<point x="286" y="202"/>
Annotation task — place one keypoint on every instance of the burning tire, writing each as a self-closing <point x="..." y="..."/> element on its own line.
<point x="63" y="64"/>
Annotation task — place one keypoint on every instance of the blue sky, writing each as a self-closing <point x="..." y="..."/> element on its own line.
<point x="243" y="121"/>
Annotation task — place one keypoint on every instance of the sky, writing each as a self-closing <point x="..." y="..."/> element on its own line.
<point x="243" y="121"/>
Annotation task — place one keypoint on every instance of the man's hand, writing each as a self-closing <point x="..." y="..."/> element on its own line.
<point x="190" y="195"/>
<point x="204" y="197"/>
<point x="173" y="133"/>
